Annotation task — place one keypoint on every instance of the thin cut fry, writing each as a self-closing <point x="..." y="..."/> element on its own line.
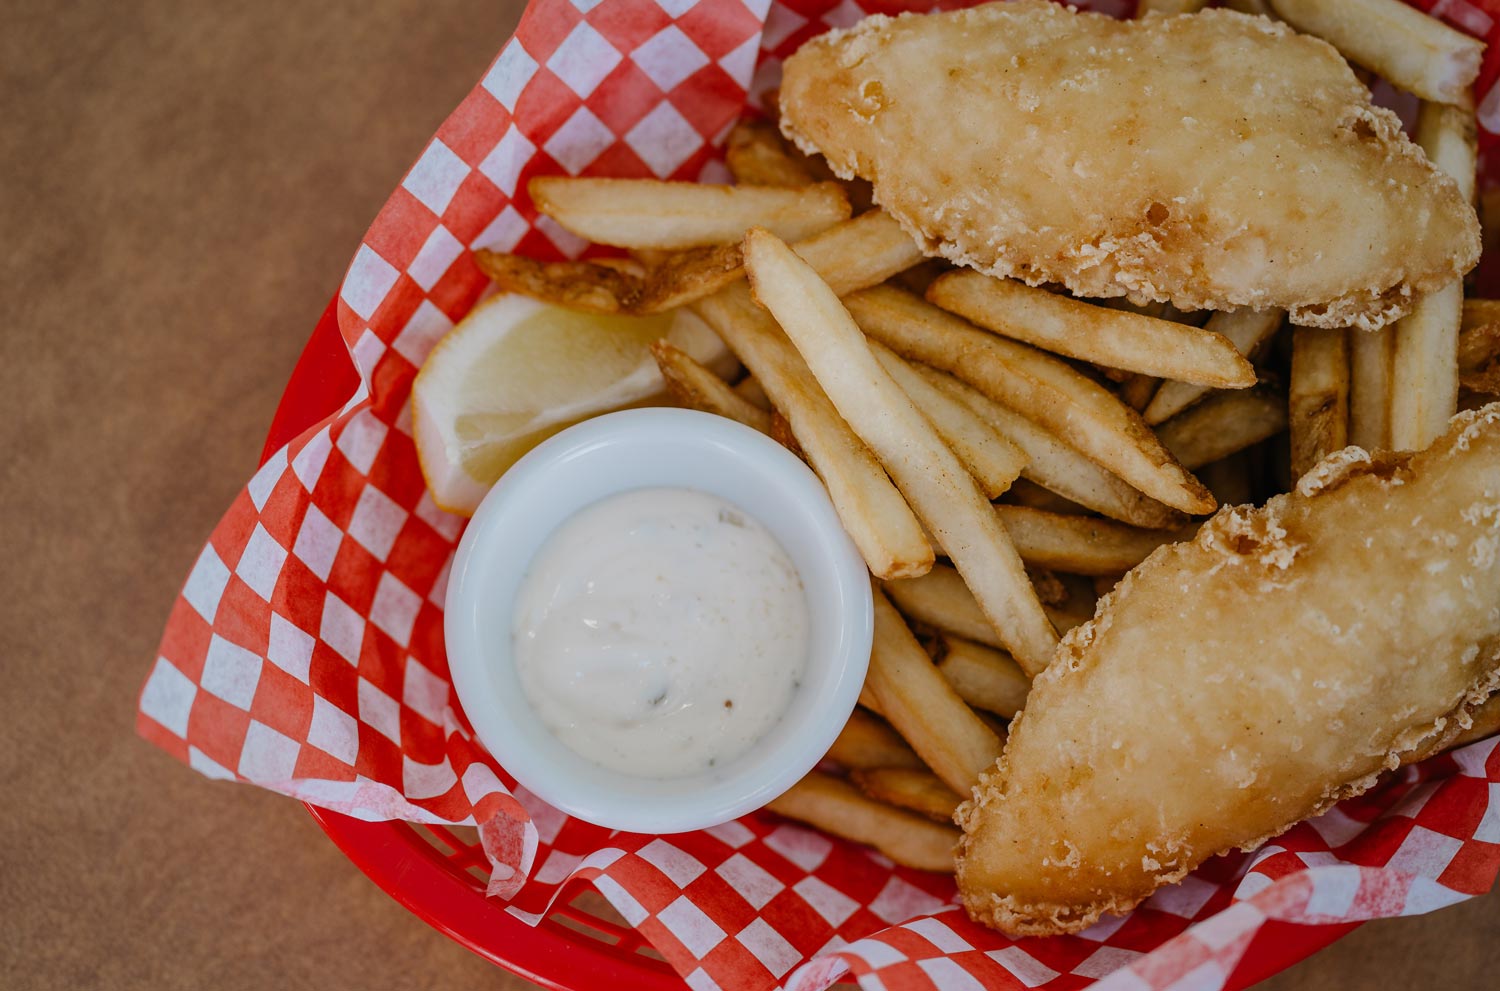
<point x="925" y="470"/>
<point x="1137" y="391"/>
<point x="1027" y="493"/>
<point x="985" y="678"/>
<point x="751" y="392"/>
<point x="922" y="706"/>
<point x="649" y="213"/>
<point x="1113" y="338"/>
<point x="1221" y="425"/>
<point x="1417" y="53"/>
<point x="1370" y="354"/>
<point x="867" y="742"/>
<point x="1081" y="545"/>
<point x="1056" y="466"/>
<point x="1318" y="395"/>
<point x="919" y="790"/>
<point x="875" y="515"/>
<point x="586" y="286"/>
<point x="693" y="385"/>
<point x="757" y="156"/>
<point x="837" y="807"/>
<point x="940" y="599"/>
<point x="860" y="253"/>
<point x="1245" y="328"/>
<point x="1077" y="410"/>
<point x="1424" y="364"/>
<point x="993" y="461"/>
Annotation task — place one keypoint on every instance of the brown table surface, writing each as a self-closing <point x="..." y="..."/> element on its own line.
<point x="182" y="187"/>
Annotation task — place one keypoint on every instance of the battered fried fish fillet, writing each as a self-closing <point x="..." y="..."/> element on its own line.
<point x="1210" y="160"/>
<point x="1235" y="684"/>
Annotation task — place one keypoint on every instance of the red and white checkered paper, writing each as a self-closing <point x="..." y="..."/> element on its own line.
<point x="305" y="653"/>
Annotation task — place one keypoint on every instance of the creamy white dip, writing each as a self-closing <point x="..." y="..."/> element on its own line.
<point x="660" y="632"/>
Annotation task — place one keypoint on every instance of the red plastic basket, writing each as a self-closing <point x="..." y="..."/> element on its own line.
<point x="439" y="873"/>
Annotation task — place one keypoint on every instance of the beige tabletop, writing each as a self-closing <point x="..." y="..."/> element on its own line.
<point x="182" y="187"/>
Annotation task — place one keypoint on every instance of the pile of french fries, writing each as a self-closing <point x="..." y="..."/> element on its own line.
<point x="1042" y="445"/>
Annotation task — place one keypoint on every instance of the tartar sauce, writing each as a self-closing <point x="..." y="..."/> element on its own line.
<point x="660" y="632"/>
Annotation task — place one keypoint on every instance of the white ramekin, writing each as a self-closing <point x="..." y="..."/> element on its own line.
<point x="636" y="449"/>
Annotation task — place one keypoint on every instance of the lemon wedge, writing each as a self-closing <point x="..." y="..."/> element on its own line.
<point x="516" y="371"/>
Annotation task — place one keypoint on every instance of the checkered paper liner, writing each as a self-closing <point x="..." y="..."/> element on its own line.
<point x="305" y="652"/>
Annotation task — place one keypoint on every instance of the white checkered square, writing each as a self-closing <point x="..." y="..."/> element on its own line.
<point x="579" y="141"/>
<point x="664" y="139"/>
<point x="1185" y="898"/>
<point x="309" y="462"/>
<point x="754" y="884"/>
<point x="1027" y="968"/>
<point x="936" y="932"/>
<point x="567" y="242"/>
<point x="1488" y="830"/>
<point x="425" y="328"/>
<point x="899" y="901"/>
<point x="829" y="902"/>
<point x="394" y="608"/>
<point x="207" y="766"/>
<point x="436" y="177"/>
<point x="846" y="14"/>
<point x="669" y="57"/>
<point x="447" y="524"/>
<point x="267" y="755"/>
<point x="231" y="672"/>
<point x="424" y="692"/>
<point x="333" y="731"/>
<point x="379" y="711"/>
<point x="260" y="563"/>
<point x="1334" y="889"/>
<point x="205" y="584"/>
<point x="504" y="232"/>
<point x="699" y="980"/>
<point x="361" y="438"/>
<point x="802" y="847"/>
<point x="678" y="7"/>
<point x="289" y="648"/>
<point x="168" y="697"/>
<point x="426" y="780"/>
<point x="732" y="833"/>
<point x="1105" y="961"/>
<point x="1426" y="895"/>
<point x="740" y="63"/>
<point x="434" y="258"/>
<point x="948" y="975"/>
<point x="781" y="21"/>
<point x="509" y="75"/>
<point x="623" y="901"/>
<point x="769" y="947"/>
<point x="367" y="283"/>
<point x="503" y="164"/>
<point x="1424" y="852"/>
<point x="558" y="865"/>
<point x="263" y="483"/>
<point x="367" y="352"/>
<point x="1102" y="930"/>
<point x="692" y="928"/>
<point x="583" y="59"/>
<point x="342" y="628"/>
<point x="439" y="591"/>
<point x="376" y="521"/>
<point x="317" y="542"/>
<point x="681" y="867"/>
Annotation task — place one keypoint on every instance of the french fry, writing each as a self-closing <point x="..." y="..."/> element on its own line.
<point x="693" y="385"/>
<point x="751" y="392"/>
<point x="985" y="678"/>
<point x="1245" y="328"/>
<point x="940" y="599"/>
<point x="1223" y="424"/>
<point x="1078" y="411"/>
<point x="1113" y="338"/>
<point x="860" y="253"/>
<point x="993" y="461"/>
<point x="925" y="470"/>
<point x="1318" y="395"/>
<point x="875" y="515"/>
<point x="1370" y="353"/>
<point x="867" y="742"/>
<point x="1229" y="479"/>
<point x="1081" y="545"/>
<point x="1261" y="7"/>
<point x="1137" y="391"/>
<point x="650" y="213"/>
<point x="757" y="156"/>
<point x="837" y="807"/>
<point x="1420" y="54"/>
<point x="921" y="705"/>
<point x="1027" y="493"/>
<point x="919" y="790"/>
<point x="1424" y="362"/>
<point x="613" y="285"/>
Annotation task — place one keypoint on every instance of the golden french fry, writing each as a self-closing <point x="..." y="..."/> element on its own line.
<point x="921" y="705"/>
<point x="1159" y="7"/>
<point x="1137" y="391"/>
<point x="781" y="433"/>
<point x="1424" y="363"/>
<point x="867" y="742"/>
<point x="925" y="470"/>
<point x="751" y="392"/>
<point x="587" y="286"/>
<point x="650" y="213"/>
<point x="757" y="155"/>
<point x="1417" y="53"/>
<point x="1370" y="353"/>
<point x="1245" y="328"/>
<point x="693" y="385"/>
<point x="875" y="515"/>
<point x="679" y="277"/>
<point x="1028" y="493"/>
<point x="1318" y="395"/>
<point x="860" y="253"/>
<point x="1081" y="545"/>
<point x="916" y="789"/>
<point x="984" y="677"/>
<point x="1223" y="424"/>
<point x="1229" y="479"/>
<point x="1077" y="410"/>
<point x="940" y="599"/>
<point x="1109" y="337"/>
<point x="1261" y="7"/>
<point x="837" y="807"/>
<point x="993" y="461"/>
